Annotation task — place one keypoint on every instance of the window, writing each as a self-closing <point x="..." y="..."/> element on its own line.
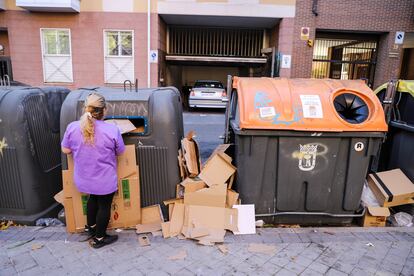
<point x="118" y="43"/>
<point x="118" y="56"/>
<point x="56" y="55"/>
<point x="208" y="84"/>
<point x="56" y="42"/>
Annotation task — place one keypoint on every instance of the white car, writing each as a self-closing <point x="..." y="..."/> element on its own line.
<point x="208" y="94"/>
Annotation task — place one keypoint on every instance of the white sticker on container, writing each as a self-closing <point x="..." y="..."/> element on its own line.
<point x="311" y="106"/>
<point x="267" y="111"/>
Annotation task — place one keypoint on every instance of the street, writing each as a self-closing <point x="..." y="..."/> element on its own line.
<point x="208" y="125"/>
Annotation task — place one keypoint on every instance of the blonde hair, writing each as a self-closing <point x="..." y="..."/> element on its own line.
<point x="94" y="110"/>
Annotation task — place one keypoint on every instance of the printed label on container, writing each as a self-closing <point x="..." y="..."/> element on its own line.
<point x="84" y="199"/>
<point x="267" y="111"/>
<point x="126" y="193"/>
<point x="311" y="106"/>
<point x="307" y="157"/>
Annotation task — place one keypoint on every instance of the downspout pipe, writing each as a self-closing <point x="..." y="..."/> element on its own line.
<point x="148" y="43"/>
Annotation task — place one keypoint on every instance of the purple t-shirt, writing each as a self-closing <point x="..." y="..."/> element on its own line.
<point x="95" y="166"/>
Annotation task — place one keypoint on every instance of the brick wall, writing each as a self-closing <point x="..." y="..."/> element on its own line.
<point x="86" y="40"/>
<point x="384" y="17"/>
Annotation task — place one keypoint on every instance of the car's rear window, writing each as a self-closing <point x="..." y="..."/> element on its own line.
<point x="206" y="84"/>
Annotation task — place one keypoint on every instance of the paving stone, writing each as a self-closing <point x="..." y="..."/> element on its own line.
<point x="295" y="267"/>
<point x="285" y="272"/>
<point x="334" y="272"/>
<point x="361" y="272"/>
<point x="319" y="267"/>
<point x="23" y="262"/>
<point x="310" y="272"/>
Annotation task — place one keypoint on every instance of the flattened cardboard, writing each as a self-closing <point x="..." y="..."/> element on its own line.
<point x="192" y="185"/>
<point x="262" y="248"/>
<point x="231" y="198"/>
<point x="124" y="125"/>
<point x="214" y="196"/>
<point x="246" y="219"/>
<point x="217" y="170"/>
<point x="231" y="180"/>
<point x="189" y="149"/>
<point x="223" y="248"/>
<point x="59" y="197"/>
<point x="375" y="216"/>
<point x="148" y="228"/>
<point x="170" y="203"/>
<point x="144" y="240"/>
<point x="151" y="214"/>
<point x="215" y="235"/>
<point x="69" y="215"/>
<point x="126" y="205"/>
<point x="220" y="149"/>
<point x="177" y="219"/>
<point x="125" y="208"/>
<point x="392" y="189"/>
<point x="212" y="217"/>
<point x="127" y="163"/>
<point x="165" y="227"/>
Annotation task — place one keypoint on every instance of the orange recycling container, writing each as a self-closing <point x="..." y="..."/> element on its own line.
<point x="303" y="147"/>
<point x="308" y="105"/>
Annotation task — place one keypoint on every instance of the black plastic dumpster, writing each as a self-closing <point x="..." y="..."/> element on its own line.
<point x="157" y="113"/>
<point x="398" y="149"/>
<point x="30" y="172"/>
<point x="303" y="146"/>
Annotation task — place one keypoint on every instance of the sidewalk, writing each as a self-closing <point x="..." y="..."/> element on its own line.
<point x="291" y="251"/>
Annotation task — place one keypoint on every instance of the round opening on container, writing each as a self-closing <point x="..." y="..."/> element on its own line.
<point x="351" y="108"/>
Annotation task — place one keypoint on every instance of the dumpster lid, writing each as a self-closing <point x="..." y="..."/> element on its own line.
<point x="308" y="105"/>
<point x="404" y="86"/>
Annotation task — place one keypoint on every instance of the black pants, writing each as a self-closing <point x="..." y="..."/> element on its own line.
<point x="99" y="212"/>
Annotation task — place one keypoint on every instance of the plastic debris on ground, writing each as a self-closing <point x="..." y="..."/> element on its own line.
<point x="401" y="219"/>
<point x="49" y="222"/>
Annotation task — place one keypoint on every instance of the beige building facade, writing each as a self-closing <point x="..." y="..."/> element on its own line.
<point x="77" y="43"/>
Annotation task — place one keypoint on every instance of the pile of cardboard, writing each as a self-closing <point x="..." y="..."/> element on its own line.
<point x="205" y="206"/>
<point x="389" y="188"/>
<point x="126" y="205"/>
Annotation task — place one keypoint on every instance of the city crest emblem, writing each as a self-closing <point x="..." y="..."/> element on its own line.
<point x="307" y="157"/>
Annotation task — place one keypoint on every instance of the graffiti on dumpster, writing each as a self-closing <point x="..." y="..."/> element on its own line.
<point x="297" y="117"/>
<point x="267" y="112"/>
<point x="307" y="156"/>
<point x="3" y="145"/>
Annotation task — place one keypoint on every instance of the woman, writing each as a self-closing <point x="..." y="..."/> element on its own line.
<point x="94" y="145"/>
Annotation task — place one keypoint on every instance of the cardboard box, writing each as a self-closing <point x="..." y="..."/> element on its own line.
<point x="125" y="208"/>
<point x="218" y="170"/>
<point x="375" y="216"/>
<point x="189" y="185"/>
<point x="152" y="214"/>
<point x="190" y="154"/>
<point x="214" y="196"/>
<point x="232" y="198"/>
<point x="212" y="217"/>
<point x="126" y="205"/>
<point x="124" y="125"/>
<point x="391" y="188"/>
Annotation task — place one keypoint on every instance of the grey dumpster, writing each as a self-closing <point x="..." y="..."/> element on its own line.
<point x="30" y="172"/>
<point x="157" y="114"/>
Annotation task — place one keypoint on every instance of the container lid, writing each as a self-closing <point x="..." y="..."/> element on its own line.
<point x="404" y="86"/>
<point x="308" y="105"/>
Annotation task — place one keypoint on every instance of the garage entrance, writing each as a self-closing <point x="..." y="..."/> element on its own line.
<point x="212" y="53"/>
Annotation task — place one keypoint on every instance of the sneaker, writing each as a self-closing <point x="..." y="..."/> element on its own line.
<point x="95" y="243"/>
<point x="89" y="233"/>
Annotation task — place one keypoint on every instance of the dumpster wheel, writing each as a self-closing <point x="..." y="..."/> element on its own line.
<point x="351" y="108"/>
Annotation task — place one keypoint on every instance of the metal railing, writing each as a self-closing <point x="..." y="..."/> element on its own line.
<point x="220" y="41"/>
